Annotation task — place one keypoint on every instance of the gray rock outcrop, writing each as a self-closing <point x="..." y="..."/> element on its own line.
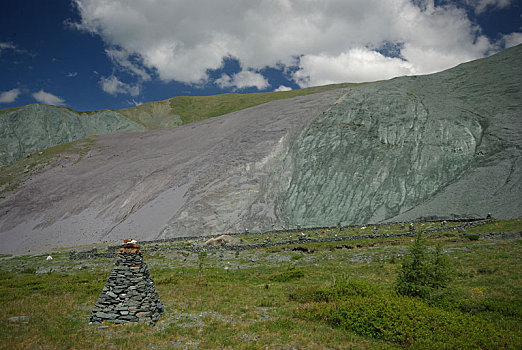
<point x="36" y="127"/>
<point x="446" y="144"/>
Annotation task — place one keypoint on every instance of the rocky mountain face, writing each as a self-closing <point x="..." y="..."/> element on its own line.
<point x="36" y="127"/>
<point x="444" y="145"/>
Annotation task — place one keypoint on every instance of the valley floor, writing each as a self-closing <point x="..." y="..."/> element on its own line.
<point x="260" y="298"/>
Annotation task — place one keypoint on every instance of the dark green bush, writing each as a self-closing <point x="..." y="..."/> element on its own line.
<point x="340" y="290"/>
<point x="410" y="322"/>
<point x="472" y="237"/>
<point x="296" y="257"/>
<point x="29" y="270"/>
<point x="506" y="308"/>
<point x="287" y="275"/>
<point x="487" y="270"/>
<point x="422" y="272"/>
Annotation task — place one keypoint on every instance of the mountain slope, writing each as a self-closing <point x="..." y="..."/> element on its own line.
<point x="439" y="145"/>
<point x="445" y="145"/>
<point x="181" y="110"/>
<point x="136" y="183"/>
<point x="36" y="127"/>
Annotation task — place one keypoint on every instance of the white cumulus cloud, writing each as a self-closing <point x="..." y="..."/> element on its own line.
<point x="112" y="85"/>
<point x="122" y="59"/>
<point x="283" y="88"/>
<point x="243" y="79"/>
<point x="48" y="98"/>
<point x="9" y="96"/>
<point x="133" y="102"/>
<point x="182" y="40"/>
<point x="356" y="65"/>
<point x="513" y="39"/>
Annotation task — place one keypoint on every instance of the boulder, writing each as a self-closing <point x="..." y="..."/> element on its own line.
<point x="221" y="240"/>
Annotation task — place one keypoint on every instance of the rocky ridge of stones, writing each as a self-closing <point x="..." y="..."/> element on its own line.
<point x="306" y="238"/>
<point x="467" y="223"/>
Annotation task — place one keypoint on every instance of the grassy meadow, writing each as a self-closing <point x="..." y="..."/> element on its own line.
<point x="330" y="295"/>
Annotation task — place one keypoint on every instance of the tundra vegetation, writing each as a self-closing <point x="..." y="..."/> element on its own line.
<point x="441" y="290"/>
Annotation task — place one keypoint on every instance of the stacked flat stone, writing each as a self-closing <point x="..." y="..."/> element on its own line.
<point x="129" y="294"/>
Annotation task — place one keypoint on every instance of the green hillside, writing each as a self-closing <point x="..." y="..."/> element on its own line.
<point x="187" y="109"/>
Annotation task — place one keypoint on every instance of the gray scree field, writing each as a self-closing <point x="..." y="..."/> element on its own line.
<point x="439" y="146"/>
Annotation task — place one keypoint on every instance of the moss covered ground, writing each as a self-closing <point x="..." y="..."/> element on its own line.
<point x="329" y="295"/>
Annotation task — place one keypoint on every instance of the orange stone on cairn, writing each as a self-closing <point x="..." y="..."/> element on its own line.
<point x="129" y="246"/>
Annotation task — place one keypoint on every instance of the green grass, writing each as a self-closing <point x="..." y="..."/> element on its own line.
<point x="291" y="273"/>
<point x="266" y="298"/>
<point x="498" y="226"/>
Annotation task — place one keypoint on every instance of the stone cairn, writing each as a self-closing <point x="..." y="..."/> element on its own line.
<point x="129" y="294"/>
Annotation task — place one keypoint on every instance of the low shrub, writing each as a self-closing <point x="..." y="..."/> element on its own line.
<point x="472" y="237"/>
<point x="296" y="257"/>
<point x="167" y="280"/>
<point x="487" y="270"/>
<point x="287" y="275"/>
<point x="29" y="270"/>
<point x="340" y="290"/>
<point x="506" y="308"/>
<point x="405" y="321"/>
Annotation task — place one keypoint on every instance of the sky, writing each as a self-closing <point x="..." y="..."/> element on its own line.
<point x="97" y="54"/>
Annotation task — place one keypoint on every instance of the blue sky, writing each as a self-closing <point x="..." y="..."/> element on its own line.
<point x="96" y="54"/>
